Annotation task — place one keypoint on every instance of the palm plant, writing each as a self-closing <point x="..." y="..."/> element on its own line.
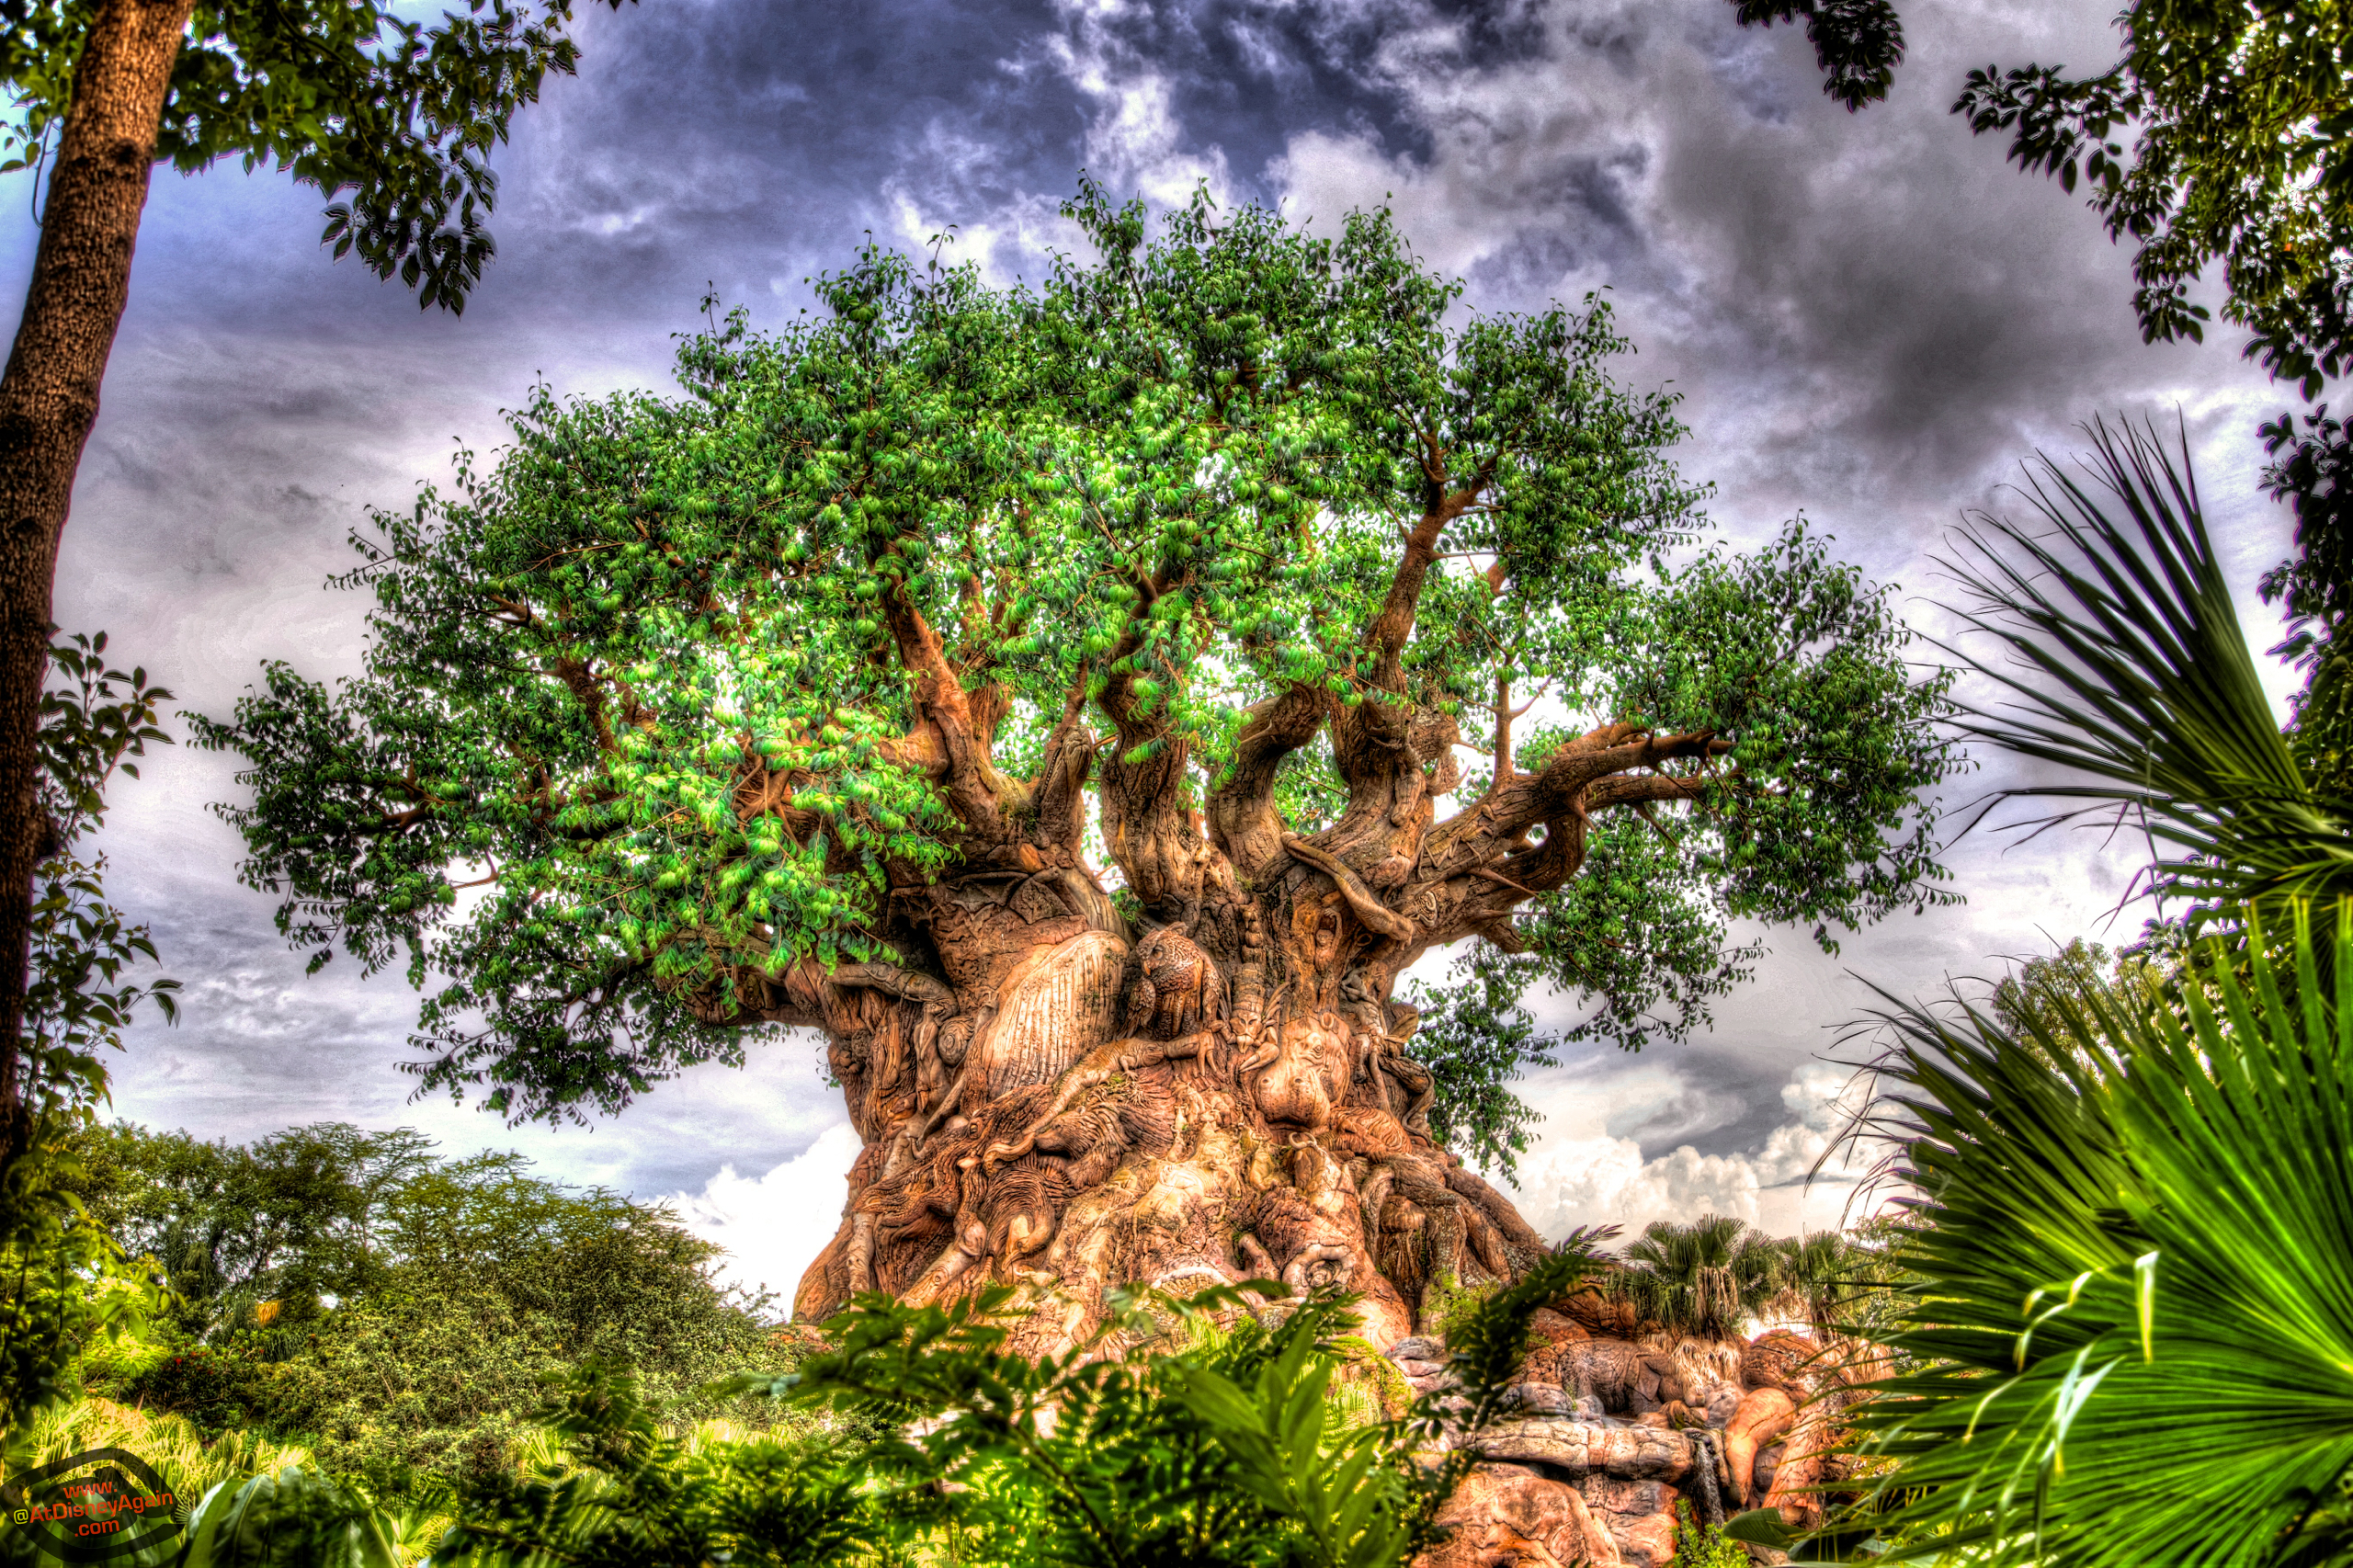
<point x="2120" y="662"/>
<point x="2135" y="1330"/>
<point x="2129" y="1335"/>
<point x="1705" y="1279"/>
<point x="1818" y="1278"/>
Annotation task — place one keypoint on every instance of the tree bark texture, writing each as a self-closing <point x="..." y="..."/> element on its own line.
<point x="48" y="399"/>
<point x="1050" y="1099"/>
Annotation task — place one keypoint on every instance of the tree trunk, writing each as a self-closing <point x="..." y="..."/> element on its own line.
<point x="1068" y="1111"/>
<point x="1053" y="1101"/>
<point x="48" y="399"/>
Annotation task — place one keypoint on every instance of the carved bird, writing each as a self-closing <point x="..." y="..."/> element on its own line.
<point x="1181" y="989"/>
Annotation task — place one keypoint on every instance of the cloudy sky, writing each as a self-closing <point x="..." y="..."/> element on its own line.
<point x="1871" y="319"/>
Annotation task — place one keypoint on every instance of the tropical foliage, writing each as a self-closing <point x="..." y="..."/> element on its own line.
<point x="354" y="98"/>
<point x="1211" y="1431"/>
<point x="63" y="1281"/>
<point x="2313" y="471"/>
<point x="2237" y="116"/>
<point x="1204" y="1447"/>
<point x="2129" y="1185"/>
<point x="1706" y="1277"/>
<point x="2120" y="663"/>
<point x="2174" y="1387"/>
<point x="1858" y="43"/>
<point x="1715" y="1276"/>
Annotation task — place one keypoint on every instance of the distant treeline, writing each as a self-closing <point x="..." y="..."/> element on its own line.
<point x="394" y="1309"/>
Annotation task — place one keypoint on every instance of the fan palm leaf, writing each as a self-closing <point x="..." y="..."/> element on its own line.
<point x="2122" y="663"/>
<point x="1705" y="1278"/>
<point x="2133" y="1330"/>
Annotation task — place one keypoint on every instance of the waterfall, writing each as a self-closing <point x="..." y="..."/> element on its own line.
<point x="1706" y="1455"/>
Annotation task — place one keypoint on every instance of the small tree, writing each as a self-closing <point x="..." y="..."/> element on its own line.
<point x="62" y="1279"/>
<point x="786" y="703"/>
<point x="344" y="94"/>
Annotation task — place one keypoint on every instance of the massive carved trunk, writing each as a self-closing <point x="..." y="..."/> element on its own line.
<point x="1072" y="1105"/>
<point x="1053" y="1098"/>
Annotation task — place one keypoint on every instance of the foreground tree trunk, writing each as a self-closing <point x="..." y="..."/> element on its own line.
<point x="48" y="399"/>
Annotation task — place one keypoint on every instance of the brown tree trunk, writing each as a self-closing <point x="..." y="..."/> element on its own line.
<point x="1072" y="1112"/>
<point x="1051" y="1100"/>
<point x="48" y="399"/>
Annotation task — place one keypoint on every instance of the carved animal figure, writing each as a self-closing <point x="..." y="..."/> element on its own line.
<point x="1609" y="1370"/>
<point x="1181" y="989"/>
<point x="1297" y="1085"/>
<point x="1763" y="1417"/>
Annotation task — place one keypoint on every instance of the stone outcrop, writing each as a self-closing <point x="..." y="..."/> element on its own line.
<point x="1763" y="1417"/>
<point x="1511" y="1517"/>
<point x="1605" y="1436"/>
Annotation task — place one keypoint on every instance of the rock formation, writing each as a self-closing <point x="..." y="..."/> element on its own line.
<point x="1606" y="1435"/>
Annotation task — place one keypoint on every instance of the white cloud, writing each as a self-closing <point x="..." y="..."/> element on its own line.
<point x="1826" y="1097"/>
<point x="1598" y="1179"/>
<point x="774" y="1226"/>
<point x="1606" y="1181"/>
<point x="1136" y="141"/>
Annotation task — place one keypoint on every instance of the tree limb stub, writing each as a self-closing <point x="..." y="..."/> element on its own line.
<point x="1367" y="908"/>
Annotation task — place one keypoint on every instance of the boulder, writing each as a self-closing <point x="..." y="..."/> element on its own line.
<point x="1623" y="1376"/>
<point x="1807" y="1463"/>
<point x="1549" y="1327"/>
<point x="1599" y="1315"/>
<point x="1509" y="1517"/>
<point x="1542" y="1398"/>
<point x="1639" y="1515"/>
<point x="1778" y="1360"/>
<point x="1613" y="1448"/>
<point x="1765" y="1417"/>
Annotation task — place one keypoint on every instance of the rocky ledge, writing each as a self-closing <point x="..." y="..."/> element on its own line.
<point x="1607" y="1436"/>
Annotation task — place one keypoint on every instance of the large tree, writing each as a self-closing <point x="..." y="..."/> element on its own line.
<point x="815" y="696"/>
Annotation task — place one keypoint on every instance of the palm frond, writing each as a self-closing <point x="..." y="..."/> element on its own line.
<point x="1705" y="1278"/>
<point x="2132" y="1339"/>
<point x="2122" y="662"/>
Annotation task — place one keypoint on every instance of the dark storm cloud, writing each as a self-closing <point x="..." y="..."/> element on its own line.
<point x="1870" y="316"/>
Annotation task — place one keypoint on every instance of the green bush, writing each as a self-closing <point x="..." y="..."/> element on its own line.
<point x="217" y="1390"/>
<point x="400" y="1312"/>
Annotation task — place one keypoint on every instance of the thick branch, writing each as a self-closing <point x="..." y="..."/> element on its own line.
<point x="1371" y="742"/>
<point x="1643" y="787"/>
<point x="1158" y="842"/>
<point x="1394" y="627"/>
<point x="1565" y="788"/>
<point x="1367" y="907"/>
<point x="1242" y="815"/>
<point x="964" y="725"/>
<point x="1059" y="792"/>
